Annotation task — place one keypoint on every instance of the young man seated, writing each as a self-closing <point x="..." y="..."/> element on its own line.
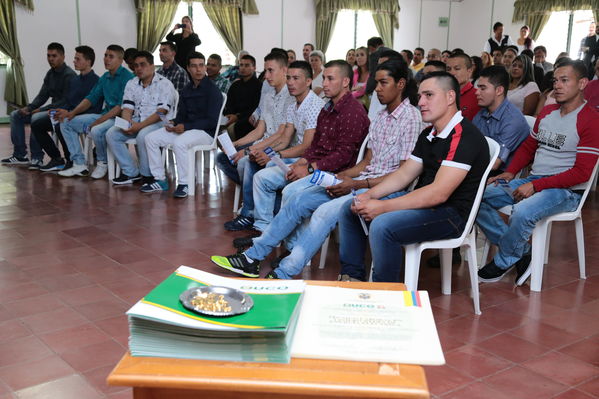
<point x="342" y="126"/>
<point x="170" y="69"/>
<point x="146" y="96"/>
<point x="273" y="104"/>
<point x="461" y="67"/>
<point x="109" y="90"/>
<point x="563" y="149"/>
<point x="299" y="131"/>
<point x="449" y="161"/>
<point x="197" y="115"/>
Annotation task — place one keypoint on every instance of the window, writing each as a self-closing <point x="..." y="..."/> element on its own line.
<point x="555" y="34"/>
<point x="352" y="29"/>
<point x="212" y="43"/>
<point x="3" y="58"/>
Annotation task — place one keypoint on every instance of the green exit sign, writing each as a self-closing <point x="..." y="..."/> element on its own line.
<point x="444" y="21"/>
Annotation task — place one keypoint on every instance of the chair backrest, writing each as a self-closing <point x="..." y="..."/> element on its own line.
<point x="493" y="154"/>
<point x="217" y="127"/>
<point x="362" y="149"/>
<point x="173" y="113"/>
<point x="586" y="186"/>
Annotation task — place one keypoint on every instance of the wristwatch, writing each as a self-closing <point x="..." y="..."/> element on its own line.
<point x="310" y="168"/>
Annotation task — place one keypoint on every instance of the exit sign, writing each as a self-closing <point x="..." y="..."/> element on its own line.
<point x="444" y="21"/>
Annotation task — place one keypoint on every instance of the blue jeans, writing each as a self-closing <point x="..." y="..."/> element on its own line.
<point x="71" y="130"/>
<point x="17" y="134"/>
<point x="247" y="169"/>
<point x="229" y="169"/>
<point x="300" y="200"/>
<point x="512" y="239"/>
<point x="388" y="233"/>
<point x="267" y="183"/>
<point x="115" y="138"/>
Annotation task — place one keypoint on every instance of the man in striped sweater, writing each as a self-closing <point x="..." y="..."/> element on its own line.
<point x="563" y="149"/>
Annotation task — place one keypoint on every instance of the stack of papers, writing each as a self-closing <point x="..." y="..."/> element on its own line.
<point x="161" y="326"/>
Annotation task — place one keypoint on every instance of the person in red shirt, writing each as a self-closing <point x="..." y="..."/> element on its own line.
<point x="460" y="66"/>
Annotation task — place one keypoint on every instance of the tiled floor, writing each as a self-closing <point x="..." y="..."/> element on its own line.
<point x="75" y="254"/>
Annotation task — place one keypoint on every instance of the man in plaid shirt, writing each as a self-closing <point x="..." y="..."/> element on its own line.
<point x="213" y="67"/>
<point x="170" y="69"/>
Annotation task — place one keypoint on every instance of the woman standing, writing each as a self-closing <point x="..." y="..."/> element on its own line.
<point x="186" y="41"/>
<point x="523" y="92"/>
<point x="316" y="62"/>
<point x="350" y="57"/>
<point x="360" y="73"/>
<point x="525" y="42"/>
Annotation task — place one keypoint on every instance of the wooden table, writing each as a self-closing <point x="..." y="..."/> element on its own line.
<point x="153" y="378"/>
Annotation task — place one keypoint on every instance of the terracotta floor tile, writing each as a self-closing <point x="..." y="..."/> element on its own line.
<point x="468" y="329"/>
<point x="476" y="390"/>
<point x="85" y="295"/>
<point x="22" y="350"/>
<point x="574" y="394"/>
<point x="28" y="374"/>
<point x="21" y="291"/>
<point x="53" y="320"/>
<point x="562" y="368"/>
<point x="93" y="356"/>
<point x="65" y="282"/>
<point x="102" y="309"/>
<point x="591" y="387"/>
<point x="442" y="379"/>
<point x="512" y="348"/>
<point x="13" y="329"/>
<point x="520" y="383"/>
<point x="117" y="328"/>
<point x="586" y="350"/>
<point x="126" y="394"/>
<point x="475" y="362"/>
<point x="34" y="305"/>
<point x="546" y="335"/>
<point x="574" y="321"/>
<point x="502" y="319"/>
<point x="71" y="387"/>
<point x="74" y="337"/>
<point x="97" y="379"/>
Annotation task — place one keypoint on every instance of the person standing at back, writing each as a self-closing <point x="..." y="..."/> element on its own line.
<point x="186" y="41"/>
<point x="498" y="40"/>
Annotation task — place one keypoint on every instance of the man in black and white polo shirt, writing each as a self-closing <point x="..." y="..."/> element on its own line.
<point x="449" y="159"/>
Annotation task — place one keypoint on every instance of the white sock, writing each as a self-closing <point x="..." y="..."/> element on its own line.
<point x="248" y="258"/>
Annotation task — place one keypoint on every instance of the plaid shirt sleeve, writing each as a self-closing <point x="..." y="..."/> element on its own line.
<point x="413" y="127"/>
<point x="180" y="79"/>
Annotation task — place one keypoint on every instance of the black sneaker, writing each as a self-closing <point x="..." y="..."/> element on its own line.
<point x="35" y="164"/>
<point x="15" y="161"/>
<point x="53" y="164"/>
<point x="523" y="269"/>
<point x="277" y="261"/>
<point x="239" y="264"/>
<point x="491" y="273"/>
<point x="272" y="275"/>
<point x="240" y="223"/>
<point x="124" y="179"/>
<point x="243" y="242"/>
<point x="435" y="261"/>
<point x="147" y="180"/>
<point x="181" y="191"/>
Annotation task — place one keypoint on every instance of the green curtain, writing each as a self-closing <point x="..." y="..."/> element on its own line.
<point x="525" y="8"/>
<point x="15" y="92"/>
<point x="227" y="22"/>
<point x="536" y="23"/>
<point x="384" y="12"/>
<point x="154" y="17"/>
<point x="324" y="30"/>
<point x="596" y="15"/>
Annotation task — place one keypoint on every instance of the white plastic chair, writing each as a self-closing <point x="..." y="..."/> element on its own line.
<point x="211" y="148"/>
<point x="325" y="246"/>
<point x="541" y="236"/>
<point x="467" y="239"/>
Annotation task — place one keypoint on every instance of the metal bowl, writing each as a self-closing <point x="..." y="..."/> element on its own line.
<point x="237" y="302"/>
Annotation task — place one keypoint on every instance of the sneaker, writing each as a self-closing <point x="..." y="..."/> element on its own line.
<point x="35" y="164"/>
<point x="76" y="170"/>
<point x="277" y="261"/>
<point x="53" y="164"/>
<point x="181" y="191"/>
<point x="346" y="277"/>
<point x="491" y="273"/>
<point x="523" y="269"/>
<point x="100" y="171"/>
<point x="240" y="223"/>
<point x="435" y="261"/>
<point x="124" y="179"/>
<point x="156" y="186"/>
<point x="15" y="161"/>
<point x="147" y="180"/>
<point x="243" y="242"/>
<point x="239" y="264"/>
<point x="68" y="164"/>
<point x="272" y="275"/>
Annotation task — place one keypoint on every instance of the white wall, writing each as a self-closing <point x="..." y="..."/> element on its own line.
<point x="281" y="23"/>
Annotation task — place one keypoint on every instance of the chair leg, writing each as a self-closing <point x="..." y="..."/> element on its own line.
<point x="445" y="258"/>
<point x="548" y="240"/>
<point x="539" y="240"/>
<point x="580" y="247"/>
<point x="473" y="271"/>
<point x="219" y="182"/>
<point x="371" y="271"/>
<point x="191" y="172"/>
<point x="236" y="199"/>
<point x="323" y="252"/>
<point x="412" y="267"/>
<point x="112" y="165"/>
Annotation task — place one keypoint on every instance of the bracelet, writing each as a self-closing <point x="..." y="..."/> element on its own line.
<point x="368" y="182"/>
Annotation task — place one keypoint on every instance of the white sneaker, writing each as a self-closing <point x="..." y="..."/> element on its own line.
<point x="75" y="170"/>
<point x="100" y="171"/>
